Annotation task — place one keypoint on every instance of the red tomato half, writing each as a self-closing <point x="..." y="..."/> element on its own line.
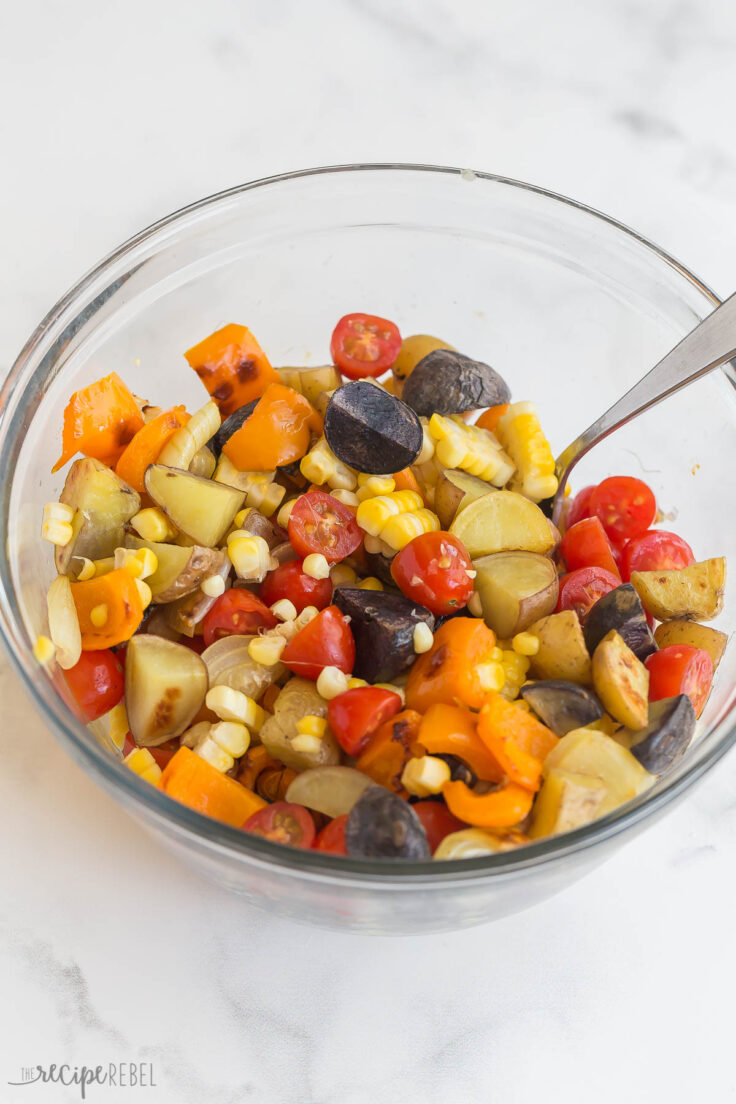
<point x="289" y="581"/>
<point x="325" y="642"/>
<point x="96" y="682"/>
<point x="585" y="544"/>
<point x="364" y="345"/>
<point x="332" y="836"/>
<point x="656" y="550"/>
<point x="283" y="822"/>
<point x="581" y="589"/>
<point x="437" y="821"/>
<point x="237" y="612"/>
<point x="433" y="570"/>
<point x="356" y="714"/>
<point x="319" y="523"/>
<point x="625" y="506"/>
<point x="579" y="507"/>
<point x="680" y="669"/>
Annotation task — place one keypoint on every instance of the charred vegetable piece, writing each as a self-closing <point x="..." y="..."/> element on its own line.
<point x="502" y="521"/>
<point x="515" y="590"/>
<point x="621" y="681"/>
<point x="454" y="491"/>
<point x="102" y="504"/>
<point x="690" y="632"/>
<point x="445" y="382"/>
<point x="379" y="566"/>
<point x="254" y="522"/>
<point x="230" y="425"/>
<point x="567" y="800"/>
<point x="562" y="653"/>
<point x="693" y="593"/>
<point x="666" y="737"/>
<point x="180" y="570"/>
<point x="562" y="705"/>
<point x="165" y="687"/>
<point x="382" y="826"/>
<point x="329" y="790"/>
<point x="383" y="626"/>
<point x="372" y="431"/>
<point x="620" y="609"/>
<point x="202" y="509"/>
<point x="298" y="699"/>
<point x="587" y="752"/>
<point x="413" y="350"/>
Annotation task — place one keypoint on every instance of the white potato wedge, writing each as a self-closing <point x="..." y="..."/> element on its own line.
<point x="502" y="521"/>
<point x="165" y="687"/>
<point x="200" y="508"/>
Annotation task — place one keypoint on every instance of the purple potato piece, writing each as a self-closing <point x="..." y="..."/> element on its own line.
<point x="667" y="736"/>
<point x="382" y="826"/>
<point x="620" y="609"/>
<point x="445" y="382"/>
<point x="372" y="431"/>
<point x="383" y="626"/>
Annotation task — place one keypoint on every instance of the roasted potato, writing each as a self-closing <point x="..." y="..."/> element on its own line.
<point x="311" y="382"/>
<point x="515" y="589"/>
<point x="180" y="570"/>
<point x="620" y="609"/>
<point x="298" y="699"/>
<point x="562" y="705"/>
<point x="502" y="521"/>
<point x="413" y="349"/>
<point x="200" y="508"/>
<point x="588" y="752"/>
<point x="329" y="790"/>
<point x="693" y="593"/>
<point x="566" y="800"/>
<point x="382" y="624"/>
<point x="165" y="687"/>
<point x="690" y="632"/>
<point x="454" y="491"/>
<point x="372" y="431"/>
<point x="562" y="653"/>
<point x="229" y="664"/>
<point x="261" y="526"/>
<point x="446" y="382"/>
<point x="103" y="503"/>
<point x="621" y="681"/>
<point x="666" y="737"/>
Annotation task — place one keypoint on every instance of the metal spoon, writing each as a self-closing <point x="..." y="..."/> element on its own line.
<point x="709" y="345"/>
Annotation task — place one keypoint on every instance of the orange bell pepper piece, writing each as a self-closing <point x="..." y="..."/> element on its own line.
<point x="145" y="447"/>
<point x="390" y="748"/>
<point x="232" y="366"/>
<point x="113" y="596"/>
<point x="516" y="738"/>
<point x="498" y="809"/>
<point x="99" y="421"/>
<point x="277" y="432"/>
<point x="448" y="672"/>
<point x="198" y="784"/>
<point x="489" y="418"/>
<point x="450" y="730"/>
<point x="405" y="480"/>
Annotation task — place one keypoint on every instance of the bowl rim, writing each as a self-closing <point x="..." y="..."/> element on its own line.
<point x="157" y="806"/>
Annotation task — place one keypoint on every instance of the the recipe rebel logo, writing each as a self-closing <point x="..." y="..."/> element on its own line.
<point x="118" y="1075"/>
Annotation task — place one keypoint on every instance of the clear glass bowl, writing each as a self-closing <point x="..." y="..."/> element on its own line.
<point x="567" y="304"/>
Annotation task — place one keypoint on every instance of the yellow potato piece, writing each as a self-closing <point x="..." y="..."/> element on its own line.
<point x="693" y="593"/>
<point x="566" y="800"/>
<point x="690" y="632"/>
<point x="502" y="521"/>
<point x="621" y="681"/>
<point x="562" y="653"/>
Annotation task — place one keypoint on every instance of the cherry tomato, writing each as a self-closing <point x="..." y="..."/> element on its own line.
<point x="237" y="612"/>
<point x="625" y="506"/>
<point x="289" y="581"/>
<point x="364" y="345"/>
<point x="96" y="682"/>
<point x="437" y="821"/>
<point x="579" y="507"/>
<point x="433" y="570"/>
<point x="319" y="523"/>
<point x="332" y="836"/>
<point x="356" y="714"/>
<point x="283" y="822"/>
<point x="680" y="669"/>
<point x="325" y="642"/>
<point x="581" y="589"/>
<point x="655" y="550"/>
<point x="585" y="544"/>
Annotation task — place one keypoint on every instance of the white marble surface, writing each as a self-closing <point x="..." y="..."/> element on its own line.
<point x="620" y="988"/>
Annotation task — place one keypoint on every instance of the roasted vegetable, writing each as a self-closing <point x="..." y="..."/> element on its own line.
<point x="232" y="366"/>
<point x="109" y="608"/>
<point x="450" y="731"/>
<point x="298" y="699"/>
<point x="102" y="504"/>
<point x="690" y="632"/>
<point x="521" y="435"/>
<point x="370" y="430"/>
<point x="587" y="752"/>
<point x="446" y="382"/>
<point x="620" y="609"/>
<point x="621" y="681"/>
<point x="469" y="448"/>
<point x="473" y="843"/>
<point x="180" y="570"/>
<point x="277" y="432"/>
<point x="413" y="349"/>
<point x="202" y="509"/>
<point x="229" y="663"/>
<point x="562" y="653"/>
<point x="185" y="614"/>
<point x="665" y="738"/>
<point x="165" y="687"/>
<point x="517" y="740"/>
<point x="381" y="825"/>
<point x="383" y="626"/>
<point x="193" y="781"/>
<point x="515" y="589"/>
<point x="502" y="521"/>
<point x="147" y="444"/>
<point x="567" y="800"/>
<point x="329" y="790"/>
<point x="389" y="749"/>
<point x="502" y="808"/>
<point x="693" y="593"/>
<point x="562" y="705"/>
<point x="232" y="423"/>
<point x="311" y="382"/>
<point x="254" y="522"/>
<point x="454" y="491"/>
<point x="99" y="420"/>
<point x="454" y="670"/>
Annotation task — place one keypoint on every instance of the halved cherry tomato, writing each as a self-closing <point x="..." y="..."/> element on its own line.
<point x="283" y="822"/>
<point x="579" y="507"/>
<point x="680" y="669"/>
<point x="655" y="550"/>
<point x="437" y="821"/>
<point x="625" y="506"/>
<point x="356" y="714"/>
<point x="325" y="642"/>
<point x="289" y="581"/>
<point x="581" y="589"/>
<point x="319" y="523"/>
<point x="237" y="612"/>
<point x="585" y="544"/>
<point x="96" y="682"/>
<point x="332" y="836"/>
<point x="364" y="345"/>
<point x="433" y="570"/>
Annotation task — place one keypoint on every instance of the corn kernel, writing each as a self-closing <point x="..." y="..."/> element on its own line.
<point x="491" y="676"/>
<point x="521" y="435"/>
<point x="497" y="655"/>
<point x="308" y="614"/>
<point x="393" y="688"/>
<point x="233" y="705"/>
<point x="213" y="586"/>
<point x="57" y="532"/>
<point x="311" y="725"/>
<point x="309" y="745"/>
<point x="320" y="465"/>
<point x="370" y="583"/>
<point x="282" y="518"/>
<point x="87" y="570"/>
<point x="232" y="737"/>
<point x="525" y="644"/>
<point x="331" y="682"/>
<point x="119" y="725"/>
<point x="425" y="776"/>
<point x="371" y="485"/>
<point x="316" y="566"/>
<point x="284" y="610"/>
<point x="471" y="449"/>
<point x="58" y="511"/>
<point x="348" y="498"/>
<point x="104" y="566"/>
<point x="427" y="450"/>
<point x="140" y="563"/>
<point x="145" y="592"/>
<point x="266" y="650"/>
<point x="423" y="638"/>
<point x="98" y="615"/>
<point x="44" y="650"/>
<point x="249" y="555"/>
<point x="187" y="440"/>
<point x="475" y="606"/>
<point x="342" y="575"/>
<point x="209" y="750"/>
<point x="143" y="764"/>
<point x="355" y="683"/>
<point x="152" y="524"/>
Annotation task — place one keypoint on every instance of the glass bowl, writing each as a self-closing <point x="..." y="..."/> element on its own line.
<point x="568" y="305"/>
